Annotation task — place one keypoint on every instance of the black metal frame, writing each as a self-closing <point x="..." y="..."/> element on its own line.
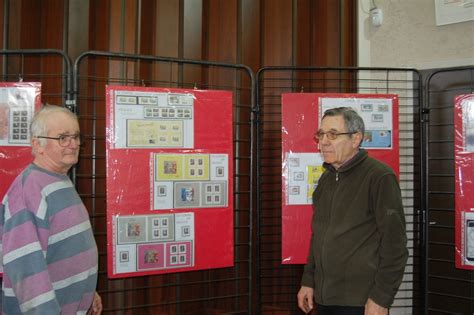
<point x="317" y="79"/>
<point x="450" y="290"/>
<point x="248" y="177"/>
<point x="22" y="53"/>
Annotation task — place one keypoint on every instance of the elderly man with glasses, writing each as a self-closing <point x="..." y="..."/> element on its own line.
<point x="358" y="247"/>
<point x="49" y="258"/>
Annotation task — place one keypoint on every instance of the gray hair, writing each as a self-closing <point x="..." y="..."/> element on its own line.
<point x="39" y="126"/>
<point x="352" y="121"/>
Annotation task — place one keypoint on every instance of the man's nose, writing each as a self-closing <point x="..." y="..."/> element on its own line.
<point x="74" y="144"/>
<point x="324" y="140"/>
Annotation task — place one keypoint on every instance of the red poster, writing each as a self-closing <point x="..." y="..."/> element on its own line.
<point x="169" y="180"/>
<point x="18" y="102"/>
<point x="464" y="180"/>
<point x="302" y="163"/>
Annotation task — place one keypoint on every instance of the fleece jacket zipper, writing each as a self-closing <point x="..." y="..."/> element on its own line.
<point x="324" y="237"/>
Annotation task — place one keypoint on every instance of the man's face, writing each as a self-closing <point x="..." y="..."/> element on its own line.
<point x="52" y="156"/>
<point x="338" y="151"/>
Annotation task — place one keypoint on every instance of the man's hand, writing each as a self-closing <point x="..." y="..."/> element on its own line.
<point x="372" y="308"/>
<point x="305" y="299"/>
<point x="96" y="307"/>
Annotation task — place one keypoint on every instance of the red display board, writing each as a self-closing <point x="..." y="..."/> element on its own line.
<point x="18" y="102"/>
<point x="464" y="180"/>
<point x="302" y="163"/>
<point x="169" y="180"/>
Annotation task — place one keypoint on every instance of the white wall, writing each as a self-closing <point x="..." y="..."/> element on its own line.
<point x="409" y="37"/>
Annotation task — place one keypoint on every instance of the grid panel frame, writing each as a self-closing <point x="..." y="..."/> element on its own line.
<point x="278" y="284"/>
<point x="447" y="290"/>
<point x="51" y="67"/>
<point x="215" y="291"/>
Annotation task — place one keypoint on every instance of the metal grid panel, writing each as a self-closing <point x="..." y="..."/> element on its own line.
<point x="278" y="284"/>
<point x="448" y="290"/>
<point x="217" y="291"/>
<point x="51" y="67"/>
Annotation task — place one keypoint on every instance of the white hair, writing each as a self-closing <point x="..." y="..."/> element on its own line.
<point x="39" y="123"/>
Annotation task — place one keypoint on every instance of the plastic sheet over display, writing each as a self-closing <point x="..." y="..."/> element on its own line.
<point x="464" y="180"/>
<point x="18" y="102"/>
<point x="169" y="180"/>
<point x="302" y="163"/>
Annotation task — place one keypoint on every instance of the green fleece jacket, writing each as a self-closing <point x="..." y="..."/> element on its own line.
<point x="358" y="246"/>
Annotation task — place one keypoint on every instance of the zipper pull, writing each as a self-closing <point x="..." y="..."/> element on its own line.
<point x="337" y="176"/>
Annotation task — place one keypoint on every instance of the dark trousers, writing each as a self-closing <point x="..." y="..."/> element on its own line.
<point x="339" y="310"/>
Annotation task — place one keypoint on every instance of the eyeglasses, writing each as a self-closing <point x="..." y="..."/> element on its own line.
<point x="331" y="135"/>
<point x="64" y="140"/>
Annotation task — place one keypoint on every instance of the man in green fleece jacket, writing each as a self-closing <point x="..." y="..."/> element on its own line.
<point x="358" y="247"/>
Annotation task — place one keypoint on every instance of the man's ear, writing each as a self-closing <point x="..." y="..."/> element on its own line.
<point x="36" y="145"/>
<point x="357" y="139"/>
